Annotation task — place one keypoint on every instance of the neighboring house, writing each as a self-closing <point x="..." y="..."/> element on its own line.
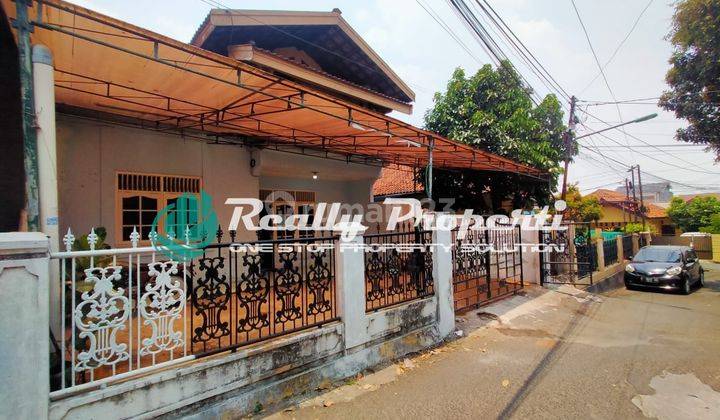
<point x="397" y="182"/>
<point x="260" y="101"/>
<point x="618" y="210"/>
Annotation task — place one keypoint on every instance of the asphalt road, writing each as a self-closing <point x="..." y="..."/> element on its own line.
<point x="554" y="354"/>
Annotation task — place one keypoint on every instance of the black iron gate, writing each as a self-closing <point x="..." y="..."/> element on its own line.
<point x="568" y="255"/>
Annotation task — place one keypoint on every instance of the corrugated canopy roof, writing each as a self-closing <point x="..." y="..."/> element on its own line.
<point x="106" y="65"/>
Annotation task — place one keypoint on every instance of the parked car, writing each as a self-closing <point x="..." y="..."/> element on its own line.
<point x="665" y="267"/>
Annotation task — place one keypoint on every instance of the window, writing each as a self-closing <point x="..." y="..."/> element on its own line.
<point x="140" y="197"/>
<point x="288" y="203"/>
<point x="667" y="230"/>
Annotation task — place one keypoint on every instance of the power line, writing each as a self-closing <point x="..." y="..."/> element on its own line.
<point x="612" y="57"/>
<point x="600" y="67"/>
<point x="485" y="40"/>
<point x="436" y="17"/>
<point x="649" y="144"/>
<point x="657" y="160"/>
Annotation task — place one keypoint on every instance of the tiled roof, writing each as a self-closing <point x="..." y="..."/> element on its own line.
<point x="608" y="195"/>
<point x="394" y="181"/>
<point x="617" y="199"/>
<point x="654" y="211"/>
<point x="688" y="197"/>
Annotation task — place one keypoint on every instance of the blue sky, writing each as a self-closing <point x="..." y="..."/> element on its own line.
<point x="424" y="55"/>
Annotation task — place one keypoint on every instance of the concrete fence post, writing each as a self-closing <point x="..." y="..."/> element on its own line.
<point x="530" y="259"/>
<point x="600" y="254"/>
<point x="620" y="249"/>
<point x="443" y="281"/>
<point x="24" y="325"/>
<point x="635" y="243"/>
<point x="350" y="277"/>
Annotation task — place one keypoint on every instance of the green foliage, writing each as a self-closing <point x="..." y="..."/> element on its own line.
<point x="693" y="215"/>
<point x="492" y="110"/>
<point x="694" y="77"/>
<point x="637" y="228"/>
<point x="581" y="209"/>
<point x="714" y="226"/>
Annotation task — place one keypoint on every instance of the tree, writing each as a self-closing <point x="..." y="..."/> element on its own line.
<point x="694" y="77"/>
<point x="492" y="110"/>
<point x="714" y="226"/>
<point x="693" y="215"/>
<point x="581" y="209"/>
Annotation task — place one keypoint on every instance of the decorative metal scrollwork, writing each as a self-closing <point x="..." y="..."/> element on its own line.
<point x="160" y="306"/>
<point x="288" y="283"/>
<point x="102" y="312"/>
<point x="210" y="300"/>
<point x="252" y="295"/>
<point x="318" y="282"/>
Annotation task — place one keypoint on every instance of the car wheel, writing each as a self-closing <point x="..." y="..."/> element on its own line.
<point x="686" y="287"/>
<point x="702" y="278"/>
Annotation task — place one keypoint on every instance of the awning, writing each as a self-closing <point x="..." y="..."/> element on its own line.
<point x="106" y="65"/>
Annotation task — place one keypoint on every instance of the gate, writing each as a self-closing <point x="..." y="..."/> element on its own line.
<point x="568" y="256"/>
<point x="482" y="273"/>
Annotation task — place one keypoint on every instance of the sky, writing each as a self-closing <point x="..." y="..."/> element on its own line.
<point x="424" y="55"/>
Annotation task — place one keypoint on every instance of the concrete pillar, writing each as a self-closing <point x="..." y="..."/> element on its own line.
<point x="619" y="243"/>
<point x="44" y="91"/>
<point x="636" y="243"/>
<point x="350" y="278"/>
<point x="24" y="324"/>
<point x="443" y="281"/>
<point x="530" y="258"/>
<point x="600" y="253"/>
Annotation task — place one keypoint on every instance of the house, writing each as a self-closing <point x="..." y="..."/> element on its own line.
<point x="619" y="210"/>
<point x="288" y="107"/>
<point x="298" y="103"/>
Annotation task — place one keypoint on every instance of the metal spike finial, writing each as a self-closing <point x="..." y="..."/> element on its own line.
<point x="69" y="240"/>
<point x="134" y="237"/>
<point x="233" y="233"/>
<point x="152" y="236"/>
<point x="171" y="234"/>
<point x="92" y="239"/>
<point x="219" y="234"/>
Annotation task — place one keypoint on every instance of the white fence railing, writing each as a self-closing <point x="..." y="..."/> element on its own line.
<point x="122" y="312"/>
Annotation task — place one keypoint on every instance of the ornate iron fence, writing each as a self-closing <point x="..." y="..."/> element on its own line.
<point x="627" y="244"/>
<point x="127" y="311"/>
<point x="398" y="268"/>
<point x="486" y="265"/>
<point x="569" y="255"/>
<point x="610" y="251"/>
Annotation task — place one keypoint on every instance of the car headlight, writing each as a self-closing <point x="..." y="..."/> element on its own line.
<point x="629" y="268"/>
<point x="674" y="271"/>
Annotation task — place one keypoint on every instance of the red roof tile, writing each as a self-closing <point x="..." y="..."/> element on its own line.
<point x="394" y="181"/>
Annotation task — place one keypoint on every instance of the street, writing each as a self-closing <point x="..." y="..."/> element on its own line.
<point x="557" y="353"/>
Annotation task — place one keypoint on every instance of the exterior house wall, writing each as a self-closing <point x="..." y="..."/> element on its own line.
<point x="91" y="153"/>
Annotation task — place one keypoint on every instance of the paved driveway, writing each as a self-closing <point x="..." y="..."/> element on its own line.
<point x="551" y="354"/>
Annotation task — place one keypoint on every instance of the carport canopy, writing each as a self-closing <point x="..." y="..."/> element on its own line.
<point x="109" y="66"/>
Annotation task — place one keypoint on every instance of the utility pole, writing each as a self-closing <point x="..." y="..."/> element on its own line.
<point x="627" y="199"/>
<point x="632" y="173"/>
<point x="642" y="203"/>
<point x="567" y="140"/>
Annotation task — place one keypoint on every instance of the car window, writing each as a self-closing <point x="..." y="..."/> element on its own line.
<point x="651" y="254"/>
